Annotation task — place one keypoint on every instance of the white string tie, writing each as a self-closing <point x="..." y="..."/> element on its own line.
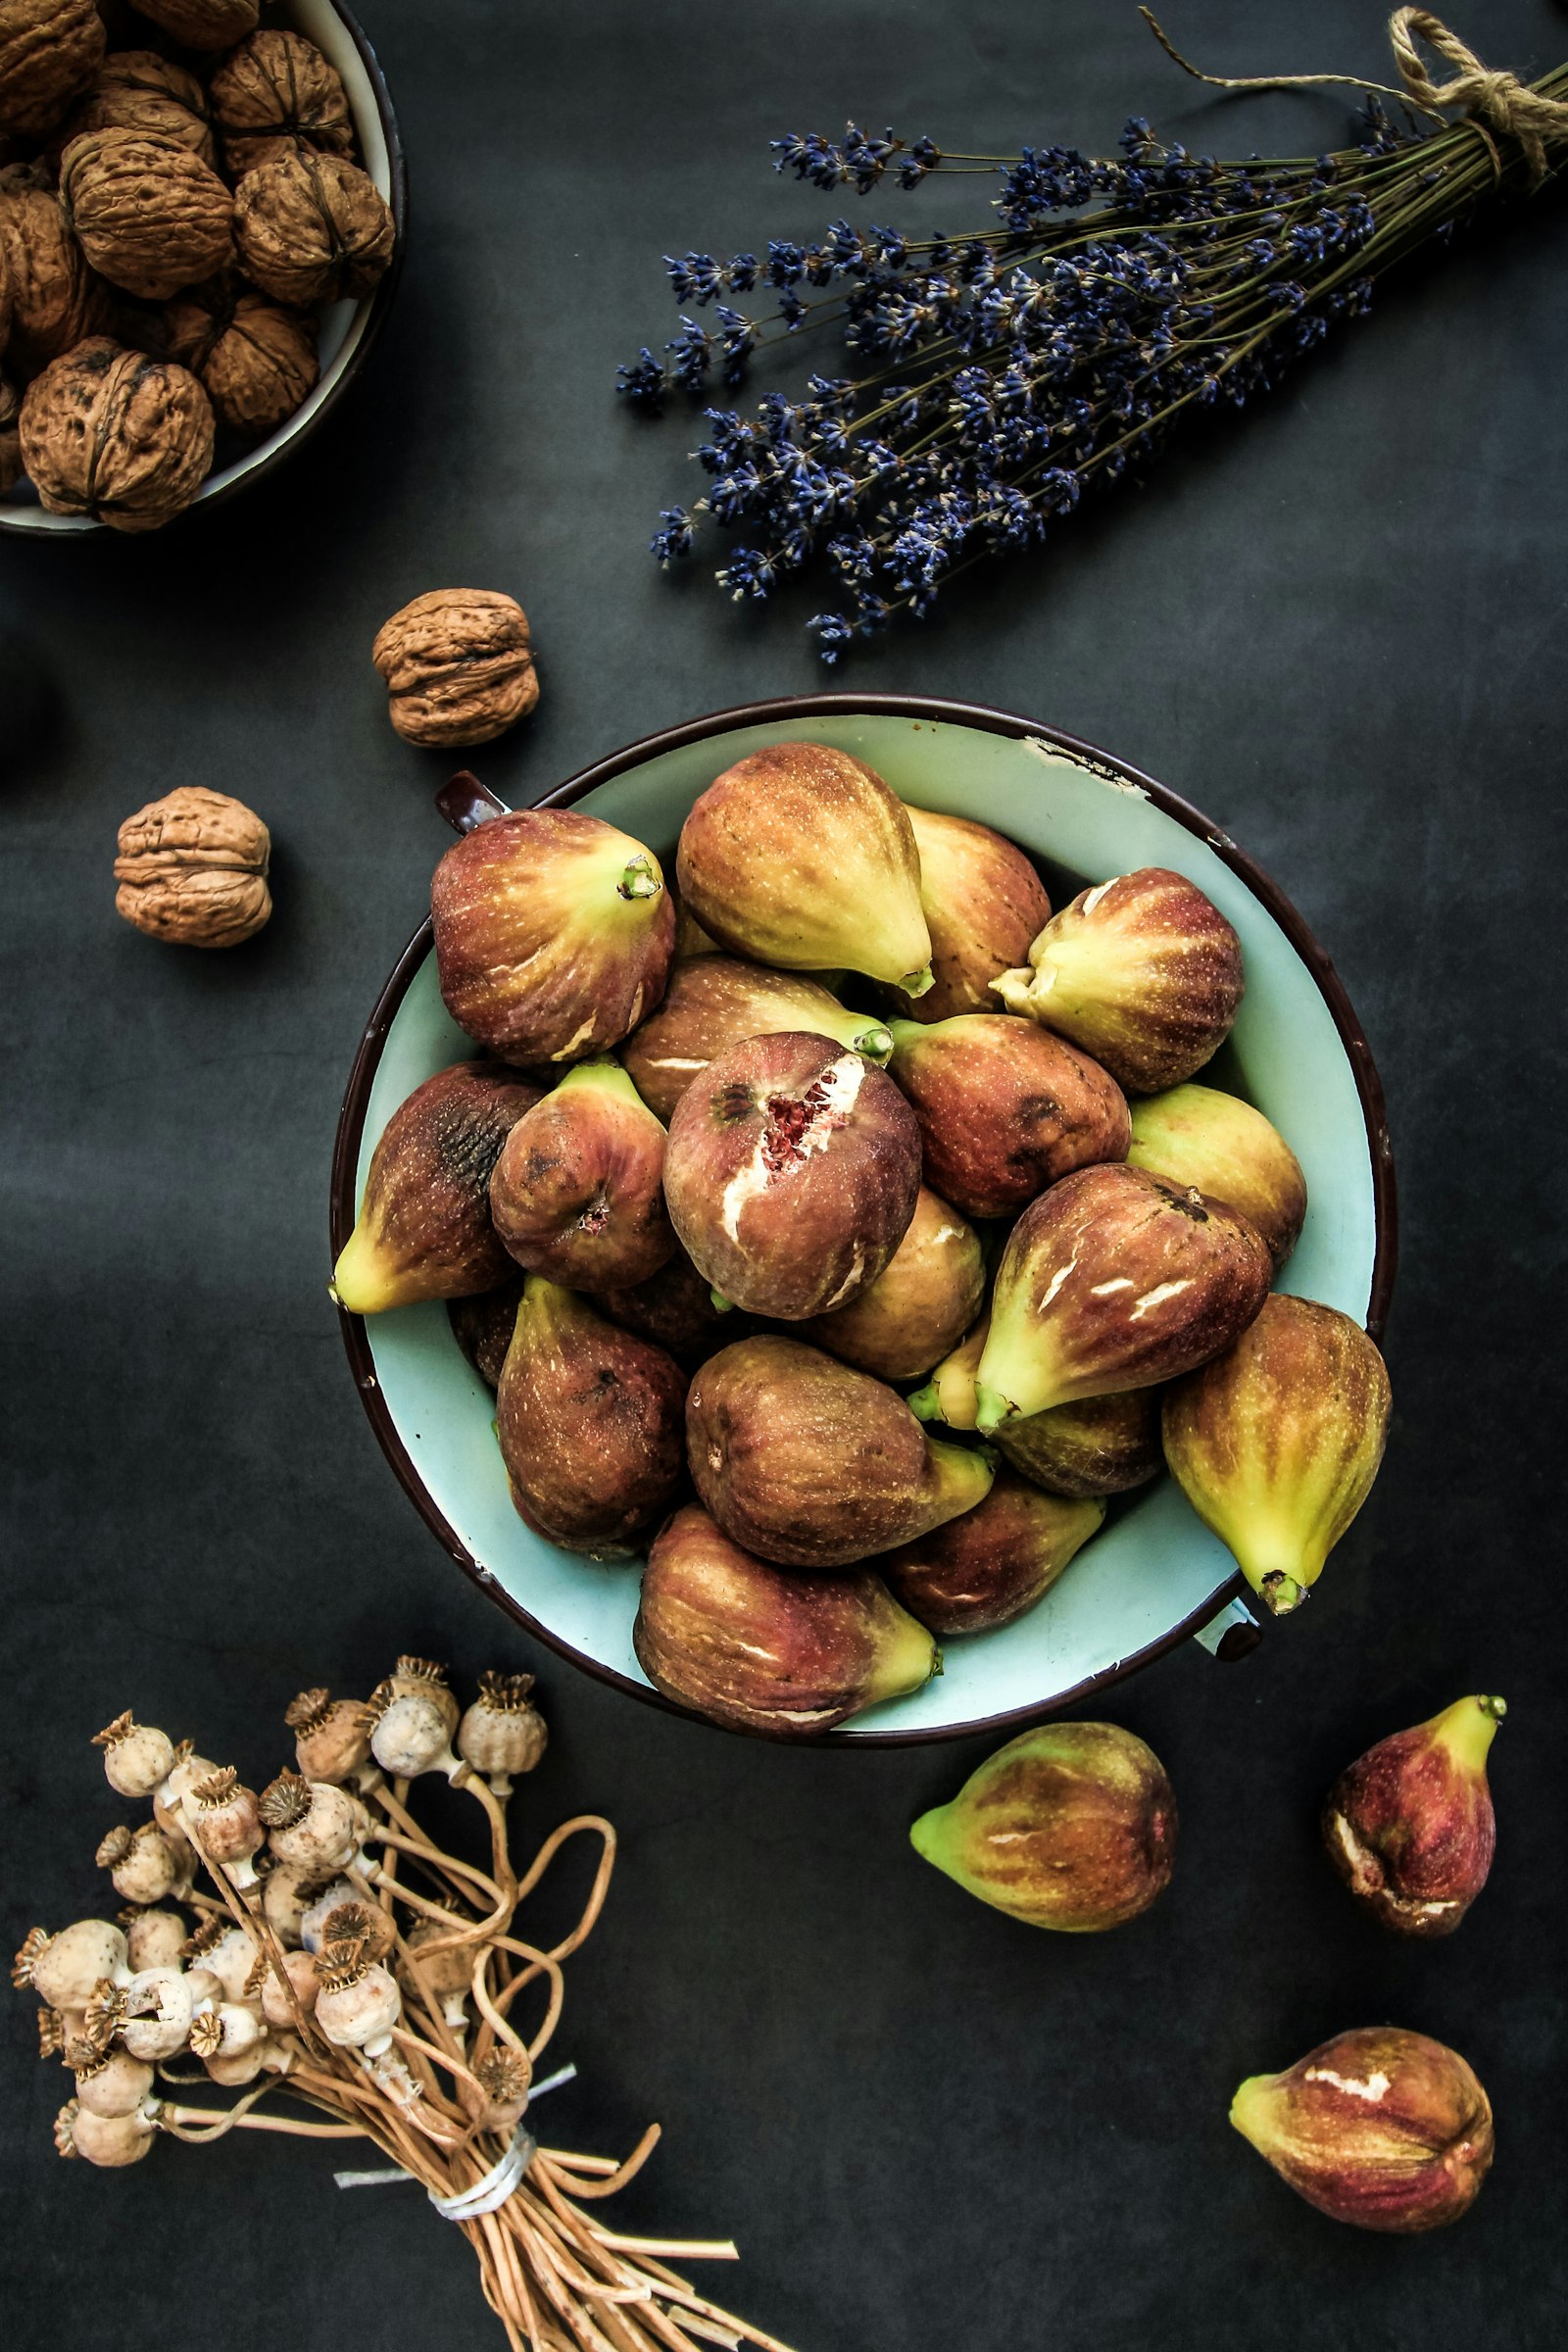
<point x="499" y="2181"/>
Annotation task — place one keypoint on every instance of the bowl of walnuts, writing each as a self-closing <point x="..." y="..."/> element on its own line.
<point x="201" y="223"/>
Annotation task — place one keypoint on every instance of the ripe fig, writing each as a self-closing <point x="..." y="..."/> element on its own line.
<point x="1004" y="1109"/>
<point x="925" y="1296"/>
<point x="759" y="1650"/>
<point x="1113" y="1280"/>
<point x="1098" y="1445"/>
<point x="801" y="857"/>
<point x="989" y="1566"/>
<point x="791" y="1173"/>
<point x="714" y="1002"/>
<point x="812" y="1465"/>
<point x="577" y="1193"/>
<point x="983" y="903"/>
<point x="1141" y="971"/>
<point x="675" y="1309"/>
<point x="482" y="1325"/>
<point x="1276" y="1442"/>
<point x="554" y="934"/>
<point x="1381" y="2128"/>
<point x="1071" y="1826"/>
<point x="1409" y="1826"/>
<point x="423" y="1228"/>
<point x="590" y="1423"/>
<point x="1195" y="1135"/>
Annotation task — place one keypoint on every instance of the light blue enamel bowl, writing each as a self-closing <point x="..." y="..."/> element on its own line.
<point x="1154" y="1576"/>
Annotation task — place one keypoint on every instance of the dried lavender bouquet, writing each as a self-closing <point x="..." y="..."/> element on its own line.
<point x="1003" y="374"/>
<point x="338" y="1958"/>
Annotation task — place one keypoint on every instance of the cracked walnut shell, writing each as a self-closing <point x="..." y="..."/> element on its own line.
<point x="459" y="666"/>
<point x="49" y="50"/>
<point x="276" y="94"/>
<point x="255" y="361"/>
<point x="55" y="298"/>
<point x="135" y="89"/>
<point x="119" y="437"/>
<point x="313" y="229"/>
<point x="192" y="868"/>
<point x="202" y="24"/>
<point x="150" y="216"/>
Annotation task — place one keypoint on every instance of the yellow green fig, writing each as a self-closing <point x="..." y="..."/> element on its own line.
<point x="1195" y="1134"/>
<point x="920" y="1303"/>
<point x="983" y="903"/>
<point x="713" y="1001"/>
<point x="1381" y="2128"/>
<point x="1071" y="1826"/>
<point x="1098" y="1446"/>
<point x="1409" y="1826"/>
<point x="1276" y="1442"/>
<point x="992" y="1564"/>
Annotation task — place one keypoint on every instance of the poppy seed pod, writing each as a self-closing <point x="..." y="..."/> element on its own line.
<point x="359" y="2002"/>
<point x="503" y="1732"/>
<point x="309" y="1821"/>
<point x="112" y="2083"/>
<point x="411" y="1736"/>
<point x="153" y="1938"/>
<point x="155" y="2010"/>
<point x="136" y="1758"/>
<point x="143" y="1865"/>
<point x="330" y="1739"/>
<point x="65" y="1969"/>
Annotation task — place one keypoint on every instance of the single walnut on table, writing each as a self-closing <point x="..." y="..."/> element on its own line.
<point x="274" y="95"/>
<point x="192" y="868"/>
<point x="49" y="50"/>
<point x="459" y="666"/>
<point x="313" y="229"/>
<point x="150" y="216"/>
<point x="136" y="89"/>
<point x="202" y="24"/>
<point x="115" y="436"/>
<point x="255" y="361"/>
<point x="56" y="300"/>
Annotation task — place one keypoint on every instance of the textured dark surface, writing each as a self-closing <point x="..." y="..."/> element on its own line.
<point x="1339" y="628"/>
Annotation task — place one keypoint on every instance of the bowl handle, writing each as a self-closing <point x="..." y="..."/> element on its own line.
<point x="1234" y="1633"/>
<point x="466" y="803"/>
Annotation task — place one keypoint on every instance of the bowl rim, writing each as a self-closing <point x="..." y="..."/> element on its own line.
<point x="13" y="519"/>
<point x="937" y="710"/>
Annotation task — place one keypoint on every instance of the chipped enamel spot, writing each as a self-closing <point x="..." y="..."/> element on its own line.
<point x="839" y="1085"/>
<point x="1372" y="2089"/>
<point x="1056" y="1281"/>
<point x="1103" y="1290"/>
<point x="1157" y="1297"/>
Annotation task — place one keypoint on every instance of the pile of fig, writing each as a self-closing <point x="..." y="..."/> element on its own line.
<point x="843" y="1231"/>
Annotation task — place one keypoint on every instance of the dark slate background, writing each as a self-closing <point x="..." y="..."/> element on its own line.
<point x="1338" y="627"/>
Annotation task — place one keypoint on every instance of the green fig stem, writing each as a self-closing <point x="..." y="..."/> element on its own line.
<point x="926" y="1404"/>
<point x="1280" y="1594"/>
<point x="991" y="1409"/>
<point x="876" y="1043"/>
<point x="722" y="1305"/>
<point x="641" y="879"/>
<point x="915" y="984"/>
<point x="1468" y="1728"/>
<point x="602" y="1071"/>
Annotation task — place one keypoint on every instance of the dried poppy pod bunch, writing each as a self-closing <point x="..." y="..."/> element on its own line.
<point x="314" y="1944"/>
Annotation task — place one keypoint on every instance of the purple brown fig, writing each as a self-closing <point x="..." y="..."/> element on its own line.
<point x="759" y="1650"/>
<point x="554" y="934"/>
<point x="1098" y="1446"/>
<point x="482" y="1326"/>
<point x="920" y="1303"/>
<point x="1409" y="1826"/>
<point x="577" y="1193"/>
<point x="791" y="1174"/>
<point x="812" y="1465"/>
<point x="1113" y="1280"/>
<point x="1381" y="2128"/>
<point x="590" y="1423"/>
<point x="1141" y="971"/>
<point x="1072" y="1826"/>
<point x="1195" y="1134"/>
<point x="983" y="903"/>
<point x="714" y="1002"/>
<point x="424" y="1229"/>
<point x="675" y="1309"/>
<point x="1004" y="1109"/>
<point x="799" y="856"/>
<point x="988" y="1567"/>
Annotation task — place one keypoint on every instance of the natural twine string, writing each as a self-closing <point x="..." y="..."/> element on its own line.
<point x="1492" y="102"/>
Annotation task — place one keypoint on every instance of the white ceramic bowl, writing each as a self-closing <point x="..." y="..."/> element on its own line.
<point x="1154" y="1574"/>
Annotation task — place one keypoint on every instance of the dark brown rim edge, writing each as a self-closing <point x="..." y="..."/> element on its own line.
<point x="935" y="711"/>
<point x="381" y="303"/>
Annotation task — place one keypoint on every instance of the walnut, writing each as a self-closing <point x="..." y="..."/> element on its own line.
<point x="257" y="361"/>
<point x="311" y="228"/>
<point x="150" y="216"/>
<point x="110" y="433"/>
<point x="192" y="867"/>
<point x="459" y="666"/>
<point x="202" y="24"/>
<point x="276" y="94"/>
<point x="135" y="89"/>
<point x="55" y="299"/>
<point x="49" y="49"/>
<point x="9" y="438"/>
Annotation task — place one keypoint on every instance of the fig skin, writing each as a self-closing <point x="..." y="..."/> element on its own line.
<point x="1004" y="1109"/>
<point x="589" y="1418"/>
<point x="1409" y="1826"/>
<point x="1195" y="1135"/>
<point x="675" y="1309"/>
<point x="1100" y="1446"/>
<point x="1114" y="1280"/>
<point x="759" y="1650"/>
<point x="920" y="1303"/>
<point x="811" y="1465"/>
<point x="1141" y="971"/>
<point x="577" y="1193"/>
<point x="1381" y="2128"/>
<point x="791" y="1174"/>
<point x="1276" y="1442"/>
<point x="482" y="1325"/>
<point x="983" y="904"/>
<point x="715" y="1002"/>
<point x="554" y="934"/>
<point x="982" y="1569"/>
<point x="1071" y="1826"/>
<point x="423" y="1228"/>
<point x="800" y="857"/>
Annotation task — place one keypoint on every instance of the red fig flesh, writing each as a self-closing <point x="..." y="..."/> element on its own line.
<point x="715" y="1002"/>
<point x="423" y="1228"/>
<point x="577" y="1193"/>
<point x="791" y="1173"/>
<point x="989" y="1566"/>
<point x="918" y="1306"/>
<point x="1192" y="1135"/>
<point x="1409" y="1826"/>
<point x="757" y="1649"/>
<point x="554" y="934"/>
<point x="1004" y="1109"/>
<point x="983" y="903"/>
